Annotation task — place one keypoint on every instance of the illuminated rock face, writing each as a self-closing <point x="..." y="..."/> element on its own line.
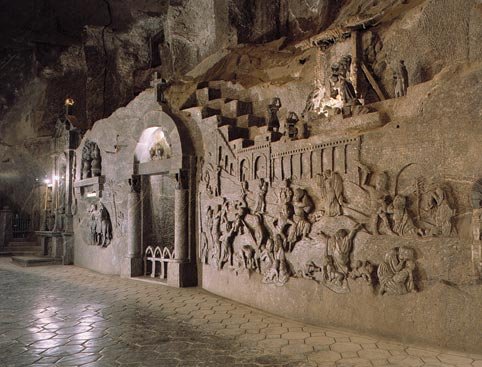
<point x="332" y="177"/>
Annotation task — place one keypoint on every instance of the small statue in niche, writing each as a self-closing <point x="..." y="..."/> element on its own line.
<point x="100" y="225"/>
<point x="96" y="160"/>
<point x="395" y="274"/>
<point x="332" y="193"/>
<point x="341" y="86"/>
<point x="86" y="161"/>
<point x="379" y="200"/>
<point x="362" y="269"/>
<point x="400" y="79"/>
<point x="261" y="196"/>
<point x="160" y="149"/>
<point x="291" y="131"/>
<point x="91" y="160"/>
<point x="443" y="212"/>
<point x="302" y="206"/>
<point x="273" y="109"/>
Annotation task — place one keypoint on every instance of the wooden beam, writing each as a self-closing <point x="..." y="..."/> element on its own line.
<point x="373" y="82"/>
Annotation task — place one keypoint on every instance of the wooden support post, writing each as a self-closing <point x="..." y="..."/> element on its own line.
<point x="373" y="82"/>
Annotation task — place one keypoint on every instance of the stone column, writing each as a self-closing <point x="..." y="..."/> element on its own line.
<point x="181" y="272"/>
<point x="132" y="264"/>
<point x="6" y="231"/>
<point x="181" y="210"/>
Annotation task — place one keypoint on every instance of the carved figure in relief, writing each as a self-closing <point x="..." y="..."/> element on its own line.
<point x="96" y="160"/>
<point x="86" y="161"/>
<point x="443" y="212"/>
<point x="100" y="225"/>
<point x="341" y="86"/>
<point x="285" y="193"/>
<point x="226" y="254"/>
<point x="379" y="200"/>
<point x="339" y="248"/>
<point x="204" y="253"/>
<point x="402" y="221"/>
<point x="273" y="108"/>
<point x="332" y="193"/>
<point x="395" y="274"/>
<point x="261" y="196"/>
<point x="248" y="255"/>
<point x="291" y="131"/>
<point x="330" y="272"/>
<point x="302" y="206"/>
<point x="216" y="233"/>
<point x="279" y="272"/>
<point x="362" y="269"/>
<point x="400" y="79"/>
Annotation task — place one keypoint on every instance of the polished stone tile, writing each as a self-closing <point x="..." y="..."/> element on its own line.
<point x="68" y="316"/>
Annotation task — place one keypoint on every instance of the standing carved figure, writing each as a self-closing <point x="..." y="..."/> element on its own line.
<point x="400" y="79"/>
<point x="261" y="196"/>
<point x="341" y="86"/>
<point x="443" y="212"/>
<point x="291" y="131"/>
<point x="302" y="206"/>
<point x="279" y="272"/>
<point x="86" y="161"/>
<point x="379" y="200"/>
<point x="96" y="160"/>
<point x="104" y="233"/>
<point x="273" y="109"/>
<point x="395" y="274"/>
<point x="332" y="193"/>
<point x="402" y="221"/>
<point x="339" y="248"/>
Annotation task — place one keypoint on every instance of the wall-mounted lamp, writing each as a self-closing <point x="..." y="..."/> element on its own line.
<point x="69" y="102"/>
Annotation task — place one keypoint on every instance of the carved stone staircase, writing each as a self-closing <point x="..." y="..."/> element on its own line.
<point x="215" y="106"/>
<point x="21" y="247"/>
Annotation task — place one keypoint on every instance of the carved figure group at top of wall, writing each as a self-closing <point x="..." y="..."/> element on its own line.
<point x="342" y="88"/>
<point x="400" y="79"/>
<point x="291" y="131"/>
<point x="100" y="225"/>
<point x="395" y="273"/>
<point x="331" y="186"/>
<point x="273" y="109"/>
<point x="91" y="160"/>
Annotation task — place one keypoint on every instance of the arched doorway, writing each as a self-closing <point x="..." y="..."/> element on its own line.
<point x="162" y="204"/>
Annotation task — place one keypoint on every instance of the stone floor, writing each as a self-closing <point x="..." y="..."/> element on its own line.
<point x="68" y="316"/>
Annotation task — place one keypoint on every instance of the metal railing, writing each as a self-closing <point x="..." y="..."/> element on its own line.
<point x="21" y="226"/>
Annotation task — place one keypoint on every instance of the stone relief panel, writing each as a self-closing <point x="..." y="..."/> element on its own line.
<point x="91" y="160"/>
<point x="100" y="225"/>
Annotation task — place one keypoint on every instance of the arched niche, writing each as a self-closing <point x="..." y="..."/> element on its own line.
<point x="163" y="155"/>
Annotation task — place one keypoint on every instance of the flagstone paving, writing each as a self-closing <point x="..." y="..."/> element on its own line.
<point x="69" y="316"/>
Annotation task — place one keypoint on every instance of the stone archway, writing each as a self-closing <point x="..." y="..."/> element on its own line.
<point x="162" y="151"/>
